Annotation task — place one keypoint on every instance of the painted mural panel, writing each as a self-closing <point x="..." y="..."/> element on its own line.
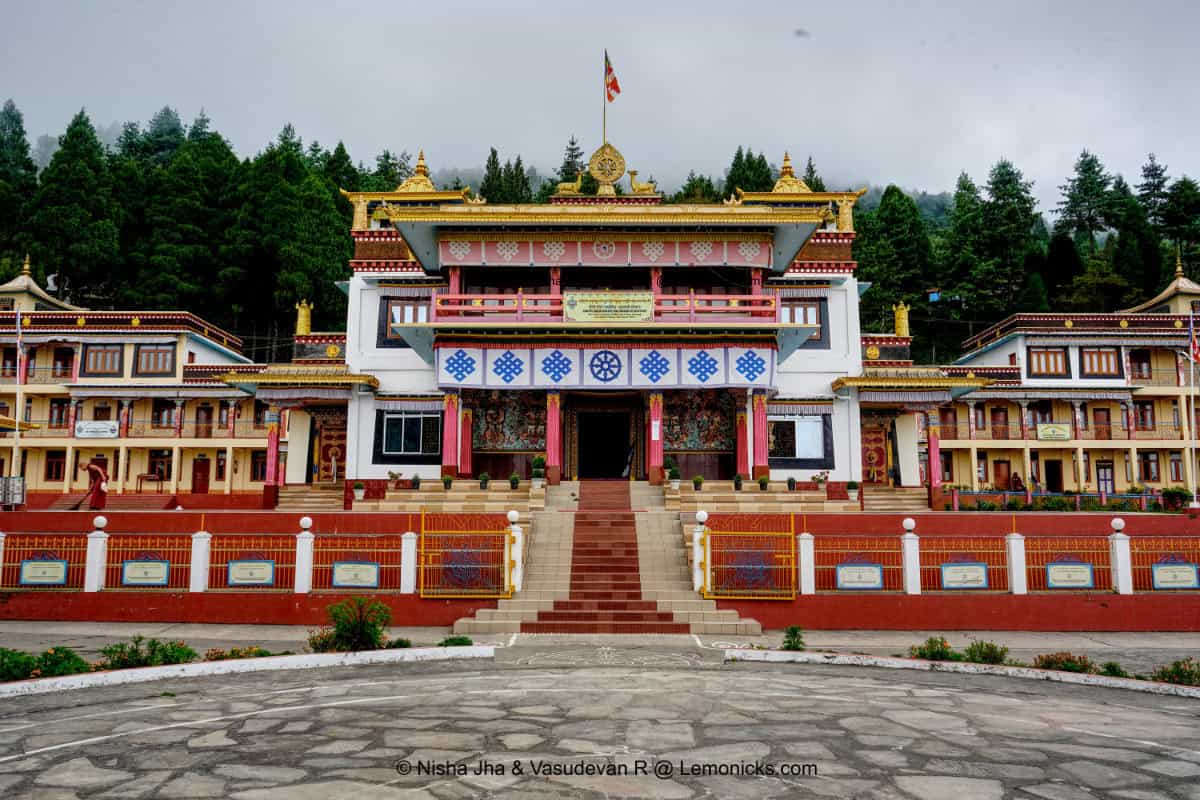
<point x="698" y="421"/>
<point x="508" y="420"/>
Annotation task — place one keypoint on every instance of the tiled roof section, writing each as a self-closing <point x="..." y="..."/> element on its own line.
<point x="123" y="321"/>
<point x="1077" y="323"/>
<point x="997" y="374"/>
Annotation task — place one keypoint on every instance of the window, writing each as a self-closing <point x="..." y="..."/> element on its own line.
<point x="1148" y="462"/>
<point x="60" y="409"/>
<point x="1176" y="466"/>
<point x="1143" y="415"/>
<point x="1043" y="412"/>
<point x="223" y="415"/>
<point x="948" y="421"/>
<point x="1139" y="364"/>
<point x="1035" y="466"/>
<point x="800" y="441"/>
<point x="220" y="476"/>
<point x="397" y="312"/>
<point x="102" y="359"/>
<point x="162" y="414"/>
<point x="155" y="359"/>
<point x="258" y="465"/>
<point x="980" y="413"/>
<point x="160" y="464"/>
<point x="802" y="312"/>
<point x="1048" y="362"/>
<point x="64" y="358"/>
<point x="411" y="434"/>
<point x="981" y="463"/>
<point x="260" y="414"/>
<point x="947" y="459"/>
<point x="1100" y="362"/>
<point x="56" y="465"/>
<point x="8" y="368"/>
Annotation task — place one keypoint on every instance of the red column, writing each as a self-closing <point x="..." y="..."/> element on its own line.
<point x="555" y="281"/>
<point x="743" y="455"/>
<point x="935" y="450"/>
<point x="271" y="485"/>
<point x="756" y="281"/>
<point x="760" y="436"/>
<point x="455" y="285"/>
<point x="231" y="422"/>
<point x="654" y="448"/>
<point x="75" y="364"/>
<point x="72" y="415"/>
<point x="28" y="356"/>
<point x="464" y="458"/>
<point x="179" y="419"/>
<point x="450" y="435"/>
<point x="123" y="423"/>
<point x="553" y="438"/>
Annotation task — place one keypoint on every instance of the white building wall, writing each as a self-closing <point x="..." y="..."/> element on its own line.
<point x="299" y="445"/>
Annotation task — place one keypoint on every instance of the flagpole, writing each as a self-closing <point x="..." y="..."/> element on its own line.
<point x="19" y="410"/>
<point x="1195" y="502"/>
<point x="604" y="101"/>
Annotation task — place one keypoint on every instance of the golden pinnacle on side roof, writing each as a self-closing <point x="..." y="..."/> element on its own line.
<point x="419" y="180"/>
<point x="25" y="268"/>
<point x="788" y="183"/>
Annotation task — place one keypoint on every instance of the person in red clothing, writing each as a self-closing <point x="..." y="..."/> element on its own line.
<point x="97" y="493"/>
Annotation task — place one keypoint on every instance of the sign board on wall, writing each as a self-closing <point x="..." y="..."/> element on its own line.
<point x="43" y="572"/>
<point x="96" y="429"/>
<point x="252" y="573"/>
<point x="1054" y="431"/>
<point x="145" y="572"/>
<point x="356" y="574"/>
<point x="608" y="306"/>
<point x="1175" y="575"/>
<point x="964" y="575"/>
<point x="1069" y="575"/>
<point x="860" y="576"/>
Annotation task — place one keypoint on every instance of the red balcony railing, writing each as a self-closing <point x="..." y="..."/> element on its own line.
<point x="523" y="307"/>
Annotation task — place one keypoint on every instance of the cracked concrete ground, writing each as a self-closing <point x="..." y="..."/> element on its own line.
<point x="563" y="702"/>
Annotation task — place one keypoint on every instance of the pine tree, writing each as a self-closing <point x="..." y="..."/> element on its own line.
<point x="1152" y="191"/>
<point x="735" y="176"/>
<point x="340" y="170"/>
<point x="964" y="239"/>
<point x="492" y="186"/>
<point x="696" y="189"/>
<point x="1137" y="255"/>
<point x="1181" y="212"/>
<point x="1008" y="222"/>
<point x="811" y="179"/>
<point x="199" y="127"/>
<point x="18" y="182"/>
<point x="164" y="136"/>
<point x="72" y="220"/>
<point x="1063" y="265"/>
<point x="519" y="190"/>
<point x="573" y="162"/>
<point x="1099" y="288"/>
<point x="893" y="253"/>
<point x="1083" y="208"/>
<point x="1033" y="299"/>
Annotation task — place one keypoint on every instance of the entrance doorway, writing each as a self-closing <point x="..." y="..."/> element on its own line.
<point x="1002" y="474"/>
<point x="1105" y="477"/>
<point x="1054" y="480"/>
<point x="604" y="444"/>
<point x="204" y="422"/>
<point x="200" y="473"/>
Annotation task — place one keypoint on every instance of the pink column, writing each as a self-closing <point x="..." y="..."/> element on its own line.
<point x="553" y="438"/>
<point x="75" y="364"/>
<point x="179" y="419"/>
<point x="971" y="421"/>
<point x="1024" y="404"/>
<point x="935" y="450"/>
<point x="453" y="279"/>
<point x="72" y="415"/>
<point x="231" y="422"/>
<point x="28" y="356"/>
<point x="450" y="435"/>
<point x="555" y="281"/>
<point x="761" y="467"/>
<point x="654" y="449"/>
<point x="271" y="485"/>
<point x="464" y="458"/>
<point x="743" y="455"/>
<point x="123" y="423"/>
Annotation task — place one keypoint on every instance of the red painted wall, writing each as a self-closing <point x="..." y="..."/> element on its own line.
<point x="962" y="523"/>
<point x="241" y="521"/>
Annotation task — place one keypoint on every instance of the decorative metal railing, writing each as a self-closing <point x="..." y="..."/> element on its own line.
<point x="522" y="307"/>
<point x="942" y="553"/>
<point x="751" y="566"/>
<point x="141" y="562"/>
<point x="44" y="562"/>
<point x="356" y="562"/>
<point x="465" y="564"/>
<point x="1164" y="562"/>
<point x="1063" y="562"/>
<point x="252" y="562"/>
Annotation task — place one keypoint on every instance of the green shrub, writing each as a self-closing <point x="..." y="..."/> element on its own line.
<point x="322" y="640"/>
<point x="484" y="479"/>
<point x="985" y="653"/>
<point x="697" y="482"/>
<point x="396" y="644"/>
<point x="935" y="648"/>
<point x="127" y="655"/>
<point x="791" y="484"/>
<point x="358" y="623"/>
<point x="1185" y="671"/>
<point x="15" y="665"/>
<point x="1173" y="499"/>
<point x="851" y="484"/>
<point x="1014" y="504"/>
<point x="539" y="462"/>
<point x="673" y="473"/>
<point x="764" y="483"/>
<point x="1054" y="504"/>
<point x="737" y="482"/>
<point x="537" y="473"/>
<point x="1067" y="662"/>
<point x="253" y="651"/>
<point x="359" y="485"/>
<point x="1113" y="670"/>
<point x="514" y="481"/>
<point x="416" y="481"/>
<point x="447" y="482"/>
<point x="985" y="505"/>
<point x="456" y="641"/>
<point x="59" y="661"/>
<point x="793" y="638"/>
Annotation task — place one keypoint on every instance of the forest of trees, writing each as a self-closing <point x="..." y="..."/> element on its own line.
<point x="166" y="216"/>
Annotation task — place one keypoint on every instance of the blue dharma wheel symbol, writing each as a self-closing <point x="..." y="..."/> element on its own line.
<point x="605" y="366"/>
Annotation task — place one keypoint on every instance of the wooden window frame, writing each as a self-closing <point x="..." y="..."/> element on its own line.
<point x="56" y="459"/>
<point x="1035" y="368"/>
<point x="142" y="350"/>
<point x="1086" y="371"/>
<point x="258" y="466"/>
<point x="86" y="369"/>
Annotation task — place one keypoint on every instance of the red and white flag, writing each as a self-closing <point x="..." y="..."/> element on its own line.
<point x="611" y="87"/>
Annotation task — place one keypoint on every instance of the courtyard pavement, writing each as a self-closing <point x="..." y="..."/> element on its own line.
<point x="666" y="714"/>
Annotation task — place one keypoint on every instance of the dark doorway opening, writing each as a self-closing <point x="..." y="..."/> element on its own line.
<point x="1054" y="475"/>
<point x="604" y="448"/>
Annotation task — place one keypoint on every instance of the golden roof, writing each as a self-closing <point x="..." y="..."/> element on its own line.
<point x="419" y="180"/>
<point x="301" y="375"/>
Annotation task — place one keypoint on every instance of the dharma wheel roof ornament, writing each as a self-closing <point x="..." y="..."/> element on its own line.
<point x="607" y="166"/>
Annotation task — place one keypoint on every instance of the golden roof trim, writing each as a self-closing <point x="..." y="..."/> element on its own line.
<point x="557" y="214"/>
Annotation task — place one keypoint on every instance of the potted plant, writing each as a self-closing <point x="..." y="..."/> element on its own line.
<point x="737" y="482"/>
<point x="764" y="483"/>
<point x="514" y="481"/>
<point x="673" y="476"/>
<point x="538" y="473"/>
<point x="697" y="482"/>
<point x="360" y="490"/>
<point x="394" y="477"/>
<point x="791" y="484"/>
<point x="484" y="478"/>
<point x="447" y="482"/>
<point x="416" y="481"/>
<point x="852" y="490"/>
<point x="820" y="478"/>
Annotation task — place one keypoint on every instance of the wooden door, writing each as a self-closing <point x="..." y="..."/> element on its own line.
<point x="201" y="468"/>
<point x="102" y="413"/>
<point x="204" y="422"/>
<point x="1102" y="423"/>
<point x="999" y="423"/>
<point x="1105" y="477"/>
<point x="1001" y="475"/>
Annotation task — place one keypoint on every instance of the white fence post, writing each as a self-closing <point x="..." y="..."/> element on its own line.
<point x="518" y="550"/>
<point x="304" y="556"/>
<point x="698" y="552"/>
<point x="910" y="549"/>
<point x="1120" y="559"/>
<point x="97" y="556"/>
<point x="1" y="548"/>
<point x="1014" y="547"/>
<point x="408" y="563"/>
<point x="201" y="559"/>
<point x="806" y="557"/>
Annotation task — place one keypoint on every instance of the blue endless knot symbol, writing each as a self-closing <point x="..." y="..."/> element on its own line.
<point x="605" y="366"/>
<point x="654" y="366"/>
<point x="751" y="365"/>
<point x="507" y="367"/>
<point x="460" y="365"/>
<point x="702" y="366"/>
<point x="556" y="365"/>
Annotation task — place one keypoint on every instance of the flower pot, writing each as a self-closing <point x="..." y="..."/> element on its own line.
<point x="359" y="494"/>
<point x="675" y="486"/>
<point x="853" y="495"/>
<point x="536" y="483"/>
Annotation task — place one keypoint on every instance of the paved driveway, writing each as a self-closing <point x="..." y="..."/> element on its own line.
<point x="580" y="710"/>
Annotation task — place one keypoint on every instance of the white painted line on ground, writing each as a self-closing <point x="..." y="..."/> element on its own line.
<point x="1169" y="747"/>
<point x="93" y="680"/>
<point x="1055" y="676"/>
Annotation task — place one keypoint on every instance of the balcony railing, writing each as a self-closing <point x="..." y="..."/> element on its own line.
<point x="49" y="376"/>
<point x="1159" y="377"/>
<point x="1094" y="432"/>
<point x="521" y="307"/>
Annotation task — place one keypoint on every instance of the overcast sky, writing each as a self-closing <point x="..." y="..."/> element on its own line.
<point x="904" y="92"/>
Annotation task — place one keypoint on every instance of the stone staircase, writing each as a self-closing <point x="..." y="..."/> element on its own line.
<point x="896" y="500"/>
<point x="721" y="497"/>
<point x="115" y="502"/>
<point x="606" y="569"/>
<point x="310" y="498"/>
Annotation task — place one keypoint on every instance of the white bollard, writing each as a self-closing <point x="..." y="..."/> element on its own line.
<point x="698" y="551"/>
<point x="1" y="548"/>
<point x="1014" y="548"/>
<point x="806" y="558"/>
<point x="97" y="556"/>
<point x="910" y="549"/>
<point x="304" y="556"/>
<point x="518" y="551"/>
<point x="408" y="563"/>
<point x="1120" y="559"/>
<point x="201" y="559"/>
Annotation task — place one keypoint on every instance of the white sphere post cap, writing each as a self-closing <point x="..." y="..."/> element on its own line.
<point x="909" y="523"/>
<point x="100" y="523"/>
<point x="701" y="517"/>
<point x="1118" y="524"/>
<point x="306" y="522"/>
<point x="513" y="516"/>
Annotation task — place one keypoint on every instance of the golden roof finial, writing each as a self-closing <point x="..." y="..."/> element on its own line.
<point x="788" y="183"/>
<point x="304" y="318"/>
<point x="421" y="169"/>
<point x="901" y="311"/>
<point x="25" y="268"/>
<point x="1178" y="261"/>
<point x="419" y="181"/>
<point x="787" y="165"/>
